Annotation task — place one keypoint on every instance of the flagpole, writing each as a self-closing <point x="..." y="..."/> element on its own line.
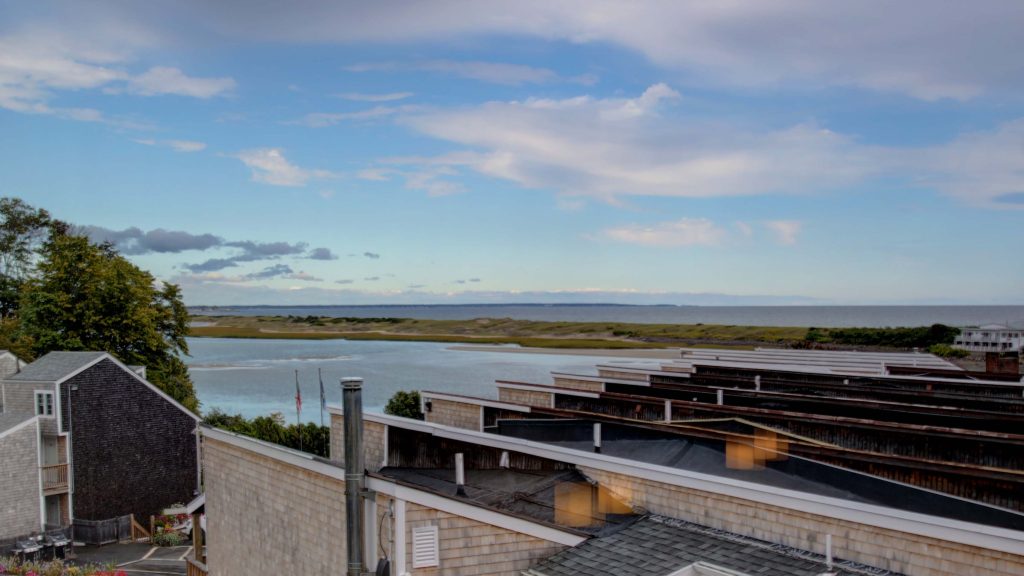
<point x="298" y="409"/>
<point x="323" y="398"/>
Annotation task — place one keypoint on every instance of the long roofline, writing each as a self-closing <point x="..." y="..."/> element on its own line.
<point x="990" y="537"/>
<point x="123" y="366"/>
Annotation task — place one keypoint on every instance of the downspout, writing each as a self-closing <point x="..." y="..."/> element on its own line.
<point x="352" y="395"/>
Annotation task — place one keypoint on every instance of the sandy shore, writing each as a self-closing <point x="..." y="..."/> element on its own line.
<point x="656" y="353"/>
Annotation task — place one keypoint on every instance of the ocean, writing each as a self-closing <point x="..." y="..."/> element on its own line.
<point x="820" y="316"/>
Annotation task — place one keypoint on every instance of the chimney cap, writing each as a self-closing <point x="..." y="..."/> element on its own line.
<point x="352" y="383"/>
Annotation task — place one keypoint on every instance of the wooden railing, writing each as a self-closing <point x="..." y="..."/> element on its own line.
<point x="195" y="568"/>
<point x="55" y="477"/>
<point x="140" y="534"/>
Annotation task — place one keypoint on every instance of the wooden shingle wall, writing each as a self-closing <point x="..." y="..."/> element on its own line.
<point x="267" y="517"/>
<point x="450" y="413"/>
<point x="526" y="397"/>
<point x="470" y="548"/>
<point x="902" y="552"/>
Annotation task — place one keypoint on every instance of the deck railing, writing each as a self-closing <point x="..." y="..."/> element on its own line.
<point x="195" y="568"/>
<point x="55" y="477"/>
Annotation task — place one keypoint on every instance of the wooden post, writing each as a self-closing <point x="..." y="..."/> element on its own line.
<point x="197" y="538"/>
<point x="152" y="526"/>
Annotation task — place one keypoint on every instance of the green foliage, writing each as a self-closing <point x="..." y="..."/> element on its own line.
<point x="83" y="296"/>
<point x="917" y="337"/>
<point x="316" y="439"/>
<point x="11" y="566"/>
<point x="406" y="404"/>
<point x="169" y="538"/>
<point x="22" y="229"/>
<point x="947" y="351"/>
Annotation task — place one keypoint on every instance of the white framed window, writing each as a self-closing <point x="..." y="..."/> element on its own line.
<point x="44" y="403"/>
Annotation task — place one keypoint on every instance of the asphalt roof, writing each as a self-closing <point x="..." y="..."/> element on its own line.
<point x="55" y="366"/>
<point x="9" y="420"/>
<point x="658" y="546"/>
<point x="527" y="493"/>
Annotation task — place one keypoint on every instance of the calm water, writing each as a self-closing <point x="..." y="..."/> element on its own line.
<point x="822" y="316"/>
<point x="257" y="377"/>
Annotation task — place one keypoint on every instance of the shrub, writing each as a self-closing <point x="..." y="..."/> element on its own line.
<point x="947" y="351"/>
<point x="169" y="538"/>
<point x="406" y="404"/>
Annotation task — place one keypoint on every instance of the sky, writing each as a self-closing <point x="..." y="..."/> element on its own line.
<point x="443" y="152"/>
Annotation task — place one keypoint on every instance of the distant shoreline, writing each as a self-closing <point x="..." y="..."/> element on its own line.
<point x="558" y="335"/>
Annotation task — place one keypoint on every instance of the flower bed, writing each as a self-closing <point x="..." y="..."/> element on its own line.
<point x="15" y="567"/>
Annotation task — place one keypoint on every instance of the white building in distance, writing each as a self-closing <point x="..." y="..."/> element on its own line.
<point x="990" y="338"/>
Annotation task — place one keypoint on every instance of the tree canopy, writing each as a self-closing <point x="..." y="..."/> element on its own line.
<point x="73" y="294"/>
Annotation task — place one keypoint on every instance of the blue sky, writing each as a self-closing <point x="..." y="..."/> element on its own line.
<point x="462" y="152"/>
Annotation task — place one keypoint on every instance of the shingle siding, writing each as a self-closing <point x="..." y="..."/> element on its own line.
<point x="19" y="484"/>
<point x="267" y="517"/>
<point x="21" y="397"/>
<point x="901" y="552"/>
<point x="451" y="413"/>
<point x="8" y="364"/>
<point x="133" y="452"/>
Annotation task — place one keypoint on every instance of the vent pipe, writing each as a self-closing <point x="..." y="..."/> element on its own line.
<point x="597" y="437"/>
<point x="721" y="397"/>
<point x="352" y="394"/>
<point x="460" y="475"/>
<point x="757" y="382"/>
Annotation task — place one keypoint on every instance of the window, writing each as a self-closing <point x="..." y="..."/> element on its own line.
<point x="44" y="403"/>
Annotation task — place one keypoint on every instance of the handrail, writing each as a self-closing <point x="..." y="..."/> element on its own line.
<point x="139" y="534"/>
<point x="195" y="568"/>
<point x="55" y="476"/>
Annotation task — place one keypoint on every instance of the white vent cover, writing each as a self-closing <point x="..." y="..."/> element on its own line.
<point x="424" y="547"/>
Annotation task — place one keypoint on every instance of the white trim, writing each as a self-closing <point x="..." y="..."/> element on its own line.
<point x="466" y="510"/>
<point x="950" y="530"/>
<point x="475" y="402"/>
<point x="28" y="422"/>
<point x="547" y="389"/>
<point x="288" y="455"/>
<point x="387" y="448"/>
<point x="399" y="528"/>
<point x="601" y="379"/>
<point x="53" y="403"/>
<point x="39" y="474"/>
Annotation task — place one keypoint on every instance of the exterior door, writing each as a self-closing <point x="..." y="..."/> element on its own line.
<point x="50" y="451"/>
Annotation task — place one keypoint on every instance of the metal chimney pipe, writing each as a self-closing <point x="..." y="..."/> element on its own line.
<point x="352" y="395"/>
<point x="597" y="437"/>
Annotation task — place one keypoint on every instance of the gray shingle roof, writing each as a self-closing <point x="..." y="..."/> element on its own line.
<point x="55" y="366"/>
<point x="658" y="546"/>
<point x="9" y="420"/>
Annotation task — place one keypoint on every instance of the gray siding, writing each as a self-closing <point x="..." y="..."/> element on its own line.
<point x="8" y="364"/>
<point x="19" y="483"/>
<point x="21" y="397"/>
<point x="133" y="452"/>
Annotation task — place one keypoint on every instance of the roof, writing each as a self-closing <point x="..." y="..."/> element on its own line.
<point x="659" y="546"/>
<point x="9" y="420"/>
<point x="526" y="493"/>
<point x="56" y="366"/>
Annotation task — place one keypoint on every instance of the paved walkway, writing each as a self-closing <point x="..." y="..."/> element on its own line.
<point x="137" y="559"/>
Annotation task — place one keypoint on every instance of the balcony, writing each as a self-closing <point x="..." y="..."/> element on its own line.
<point x="55" y="478"/>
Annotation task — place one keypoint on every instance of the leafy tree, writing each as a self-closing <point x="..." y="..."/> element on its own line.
<point x="84" y="296"/>
<point x="22" y="229"/>
<point x="406" y="404"/>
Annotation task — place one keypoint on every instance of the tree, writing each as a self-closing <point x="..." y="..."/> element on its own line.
<point x="84" y="296"/>
<point x="406" y="404"/>
<point x="22" y="229"/>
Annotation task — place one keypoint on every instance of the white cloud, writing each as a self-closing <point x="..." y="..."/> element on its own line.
<point x="606" y="148"/>
<point x="324" y="119"/>
<point x="186" y="145"/>
<point x="37" y="64"/>
<point x="746" y="230"/>
<point x="165" y="80"/>
<point x="909" y="47"/>
<point x="269" y="166"/>
<point x="361" y="97"/>
<point x="785" y="231"/>
<point x="176" y="145"/>
<point x="682" y="232"/>
<point x="981" y="168"/>
<point x="493" y="72"/>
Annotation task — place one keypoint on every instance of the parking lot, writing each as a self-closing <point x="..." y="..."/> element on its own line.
<point x="136" y="558"/>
